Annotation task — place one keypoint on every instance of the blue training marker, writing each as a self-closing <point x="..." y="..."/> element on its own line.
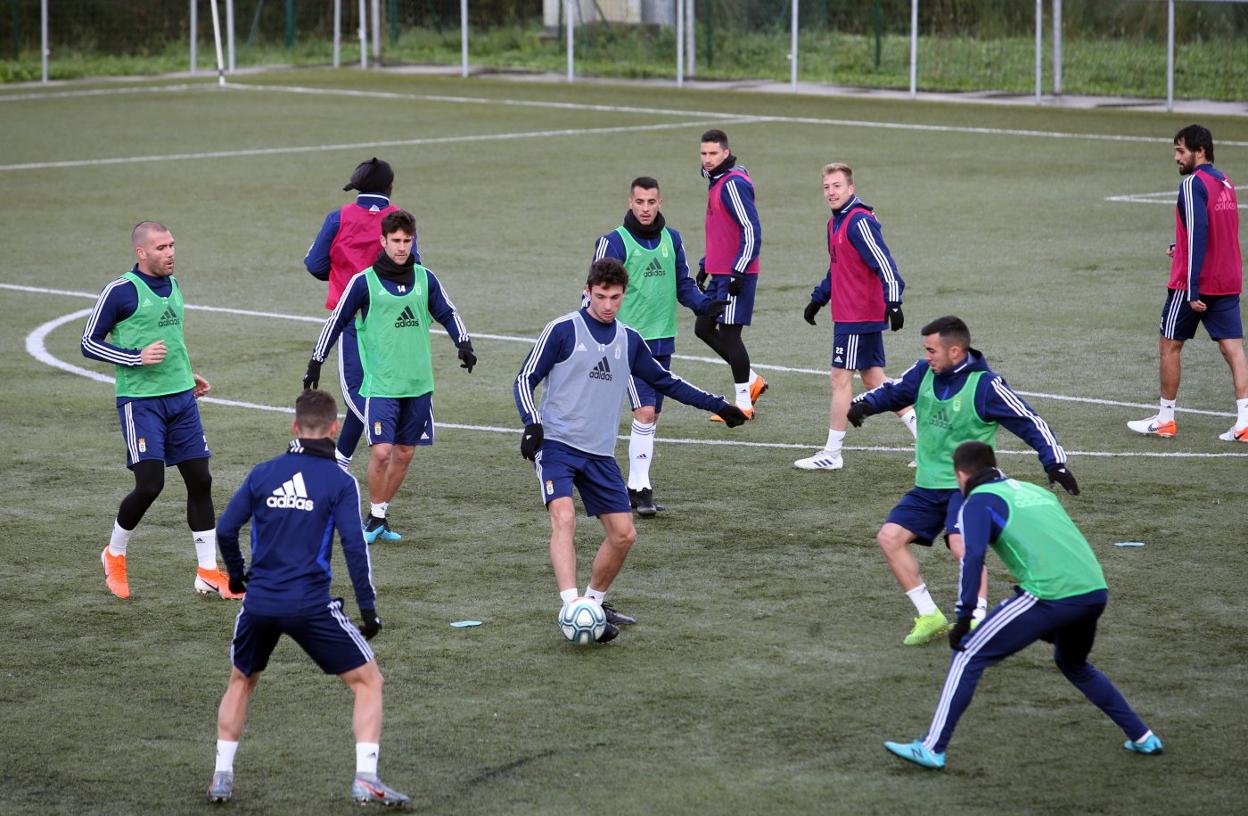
<point x="1129" y="544"/>
<point x="464" y="624"/>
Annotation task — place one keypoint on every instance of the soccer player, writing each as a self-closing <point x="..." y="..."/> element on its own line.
<point x="156" y="392"/>
<point x="347" y="243"/>
<point x="654" y="257"/>
<point x="1206" y="277"/>
<point x="957" y="398"/>
<point x="586" y="359"/>
<point x="391" y="304"/>
<point x="864" y="288"/>
<point x="729" y="270"/>
<point x="1061" y="594"/>
<point x="294" y="503"/>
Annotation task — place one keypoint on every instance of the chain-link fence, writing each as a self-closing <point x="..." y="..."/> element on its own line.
<point x="1106" y="46"/>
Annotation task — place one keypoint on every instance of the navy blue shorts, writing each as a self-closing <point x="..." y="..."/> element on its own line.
<point x="857" y="352"/>
<point x="641" y="393"/>
<point x="399" y="420"/>
<point x="163" y="429"/>
<point x="328" y="636"/>
<point x="597" y="478"/>
<point x="926" y="511"/>
<point x="351" y="370"/>
<point x="740" y="308"/>
<point x="1221" y="317"/>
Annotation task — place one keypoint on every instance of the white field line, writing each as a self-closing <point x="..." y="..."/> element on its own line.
<point x="1168" y="197"/>
<point x="323" y="148"/>
<point x="36" y="347"/>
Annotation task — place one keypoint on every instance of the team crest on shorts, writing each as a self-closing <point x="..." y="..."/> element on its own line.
<point x="550" y="488"/>
<point x="376" y="429"/>
<point x="142" y="444"/>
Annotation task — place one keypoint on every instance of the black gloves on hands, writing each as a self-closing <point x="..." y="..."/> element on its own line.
<point x="895" y="318"/>
<point x="857" y="413"/>
<point x="700" y="278"/>
<point x="238" y="584"/>
<point x="716" y="308"/>
<point x="467" y="358"/>
<point x="1062" y="475"/>
<point x="812" y="309"/>
<point x="370" y="624"/>
<point x="732" y="416"/>
<point x="957" y="632"/>
<point x="735" y="283"/>
<point x="313" y="376"/>
<point x="531" y="440"/>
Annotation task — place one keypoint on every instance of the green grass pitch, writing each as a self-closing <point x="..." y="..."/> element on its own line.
<point x="767" y="668"/>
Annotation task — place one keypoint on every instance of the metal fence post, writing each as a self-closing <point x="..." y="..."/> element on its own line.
<point x="337" y="33"/>
<point x="1039" y="44"/>
<point x="914" y="48"/>
<point x="680" y="43"/>
<point x="194" y="32"/>
<point x="363" y="32"/>
<point x="793" y="48"/>
<point x="1170" y="56"/>
<point x="43" y="39"/>
<point x="1057" y="47"/>
<point x="229" y="36"/>
<point x="567" y="19"/>
<point x="463" y="37"/>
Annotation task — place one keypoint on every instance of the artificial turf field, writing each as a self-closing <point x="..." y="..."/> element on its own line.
<point x="767" y="668"/>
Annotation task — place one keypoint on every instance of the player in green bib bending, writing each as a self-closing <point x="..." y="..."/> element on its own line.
<point x="393" y="303"/>
<point x="1060" y="596"/>
<point x="957" y="398"/>
<point x="658" y="278"/>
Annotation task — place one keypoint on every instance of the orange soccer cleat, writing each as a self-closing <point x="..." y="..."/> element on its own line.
<point x="115" y="573"/>
<point x="214" y="582"/>
<point x="757" y="388"/>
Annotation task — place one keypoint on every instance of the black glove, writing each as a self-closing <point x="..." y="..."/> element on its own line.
<point x="732" y="416"/>
<point x="735" y="283"/>
<point x="370" y="624"/>
<point x="715" y="309"/>
<point x="531" y="440"/>
<point x="957" y="632"/>
<point x="313" y="376"/>
<point x="812" y="309"/>
<point x="238" y="584"/>
<point x="895" y="318"/>
<point x="857" y="413"/>
<point x="1062" y="475"/>
<point x="467" y="359"/>
<point x="700" y="278"/>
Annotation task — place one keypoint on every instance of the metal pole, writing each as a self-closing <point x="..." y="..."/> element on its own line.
<point x="1039" y="42"/>
<point x="680" y="43"/>
<point x="567" y="21"/>
<point x="691" y="38"/>
<point x="43" y="39"/>
<point x="216" y="38"/>
<point x="914" y="48"/>
<point x="463" y="38"/>
<point x="229" y="36"/>
<point x="337" y="33"/>
<point x="793" y="48"/>
<point x="194" y="34"/>
<point x="1057" y="47"/>
<point x="1170" y="56"/>
<point x="376" y="31"/>
<point x="363" y="34"/>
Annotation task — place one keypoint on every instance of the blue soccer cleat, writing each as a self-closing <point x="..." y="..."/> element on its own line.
<point x="222" y="787"/>
<point x="376" y="528"/>
<point x="917" y="753"/>
<point x="1151" y="745"/>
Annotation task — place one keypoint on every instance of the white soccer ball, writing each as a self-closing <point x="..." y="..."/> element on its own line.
<point x="582" y="621"/>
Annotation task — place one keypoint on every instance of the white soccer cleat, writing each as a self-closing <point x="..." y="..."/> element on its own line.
<point x="1153" y="426"/>
<point x="822" y="460"/>
<point x="1235" y="435"/>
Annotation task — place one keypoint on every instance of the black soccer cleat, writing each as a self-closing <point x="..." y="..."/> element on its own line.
<point x="609" y="633"/>
<point x="616" y="617"/>
<point x="632" y="497"/>
<point x="643" y="502"/>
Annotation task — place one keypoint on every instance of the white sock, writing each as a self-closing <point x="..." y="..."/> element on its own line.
<point x="378" y="509"/>
<point x="1144" y="738"/>
<point x="753" y="376"/>
<point x="1241" y="410"/>
<point x="568" y="595"/>
<point x="206" y="549"/>
<point x="121" y="539"/>
<point x="366" y="757"/>
<point x="640" y="454"/>
<point x="981" y="609"/>
<point x="225" y="755"/>
<point x="921" y="600"/>
<point x="344" y="462"/>
<point x="1165" y="412"/>
<point x="595" y="594"/>
<point x="743" y="395"/>
<point x="835" y="438"/>
<point x="911" y="421"/>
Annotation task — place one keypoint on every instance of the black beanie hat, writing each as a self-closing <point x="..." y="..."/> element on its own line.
<point x="372" y="176"/>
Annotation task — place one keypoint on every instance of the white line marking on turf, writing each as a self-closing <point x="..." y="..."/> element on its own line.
<point x="529" y="340"/>
<point x="323" y="148"/>
<point x="1167" y="197"/>
<point x="70" y="94"/>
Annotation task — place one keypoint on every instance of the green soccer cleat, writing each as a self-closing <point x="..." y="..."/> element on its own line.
<point x="1150" y="745"/>
<point x="916" y="752"/>
<point x="369" y="788"/>
<point x="222" y="787"/>
<point x="927" y="627"/>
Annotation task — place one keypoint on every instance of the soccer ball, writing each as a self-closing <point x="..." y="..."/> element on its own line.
<point x="582" y="621"/>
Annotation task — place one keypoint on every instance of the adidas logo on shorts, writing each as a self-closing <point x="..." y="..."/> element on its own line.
<point x="406" y="319"/>
<point x="292" y="495"/>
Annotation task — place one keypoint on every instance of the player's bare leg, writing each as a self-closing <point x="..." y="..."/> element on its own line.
<point x="894" y="541"/>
